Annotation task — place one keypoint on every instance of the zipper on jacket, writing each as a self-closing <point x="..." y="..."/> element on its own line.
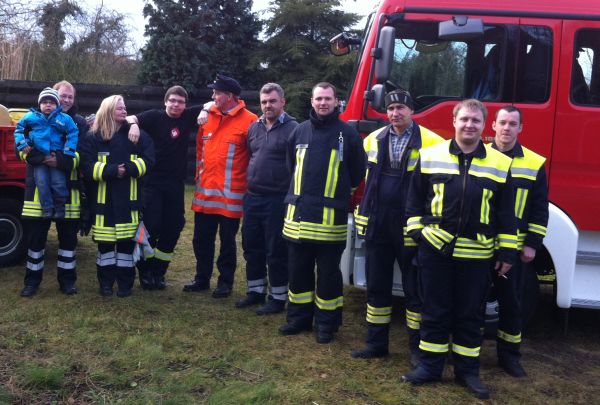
<point x="466" y="161"/>
<point x="341" y="147"/>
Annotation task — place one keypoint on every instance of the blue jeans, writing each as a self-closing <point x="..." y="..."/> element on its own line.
<point x="51" y="184"/>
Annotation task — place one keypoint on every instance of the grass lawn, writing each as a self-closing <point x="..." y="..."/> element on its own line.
<point x="169" y="347"/>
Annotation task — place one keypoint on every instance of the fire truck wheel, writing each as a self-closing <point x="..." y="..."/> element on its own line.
<point x="12" y="240"/>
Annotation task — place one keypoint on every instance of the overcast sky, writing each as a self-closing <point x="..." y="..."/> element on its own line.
<point x="133" y="10"/>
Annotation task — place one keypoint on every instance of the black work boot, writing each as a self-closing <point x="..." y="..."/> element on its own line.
<point x="196" y="286"/>
<point x="512" y="366"/>
<point x="292" y="329"/>
<point x="474" y="384"/>
<point x="68" y="289"/>
<point x="251" y="298"/>
<point x="369" y="352"/>
<point x="271" y="307"/>
<point x="420" y="376"/>
<point x="29" y="290"/>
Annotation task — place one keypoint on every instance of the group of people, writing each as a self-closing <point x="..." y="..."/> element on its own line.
<point x="457" y="215"/>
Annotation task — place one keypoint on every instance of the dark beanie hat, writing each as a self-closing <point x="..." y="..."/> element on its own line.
<point x="49" y="94"/>
<point x="225" y="83"/>
<point x="399" y="96"/>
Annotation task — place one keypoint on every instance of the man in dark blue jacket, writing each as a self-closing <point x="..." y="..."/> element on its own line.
<point x="265" y="250"/>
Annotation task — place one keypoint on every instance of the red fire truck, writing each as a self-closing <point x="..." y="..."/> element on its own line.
<point x="542" y="56"/>
<point x="12" y="184"/>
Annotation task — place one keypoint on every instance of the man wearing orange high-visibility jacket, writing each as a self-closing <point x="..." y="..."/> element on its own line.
<point x="459" y="203"/>
<point x="222" y="160"/>
<point x="531" y="209"/>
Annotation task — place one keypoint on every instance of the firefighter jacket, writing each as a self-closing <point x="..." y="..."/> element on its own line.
<point x="115" y="202"/>
<point x="376" y="146"/>
<point x="459" y="204"/>
<point x="531" y="195"/>
<point x="327" y="161"/>
<point x="32" y="207"/>
<point x="221" y="161"/>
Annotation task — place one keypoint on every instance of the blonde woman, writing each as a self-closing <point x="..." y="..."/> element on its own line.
<point x="112" y="165"/>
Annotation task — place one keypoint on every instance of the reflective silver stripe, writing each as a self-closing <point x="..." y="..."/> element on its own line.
<point x="229" y="166"/>
<point x="66" y="253"/>
<point x="106" y="259"/>
<point x="35" y="266"/>
<point x="211" y="192"/>
<point x="494" y="171"/>
<point x="66" y="265"/>
<point x="35" y="254"/>
<point x="522" y="171"/>
<point x="258" y="282"/>
<point x="258" y="286"/>
<point x="433" y="164"/>
<point x="279" y="293"/>
<point x="218" y="204"/>
<point x="124" y="260"/>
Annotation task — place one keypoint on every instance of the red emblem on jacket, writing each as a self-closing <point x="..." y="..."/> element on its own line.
<point x="174" y="133"/>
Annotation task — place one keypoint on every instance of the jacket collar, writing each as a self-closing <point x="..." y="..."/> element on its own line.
<point x="516" y="151"/>
<point x="479" y="151"/>
<point x="415" y="139"/>
<point x="328" y="120"/>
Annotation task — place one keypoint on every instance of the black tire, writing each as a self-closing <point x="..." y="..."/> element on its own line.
<point x="12" y="233"/>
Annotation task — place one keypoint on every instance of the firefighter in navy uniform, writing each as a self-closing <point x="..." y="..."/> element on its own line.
<point x="392" y="154"/>
<point x="326" y="161"/>
<point x="531" y="209"/>
<point x="460" y="203"/>
<point x="36" y="228"/>
<point x="114" y="164"/>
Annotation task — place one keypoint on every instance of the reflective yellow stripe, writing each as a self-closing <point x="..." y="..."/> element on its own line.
<point x="484" y="216"/>
<point x="332" y="174"/>
<point x="413" y="320"/>
<point x="466" y="351"/>
<point x="520" y="200"/>
<point x="301" y="298"/>
<point x="300" y="154"/>
<point x="164" y="256"/>
<point x="413" y="224"/>
<point x="308" y="230"/>
<point x="507" y="337"/>
<point x="412" y="160"/>
<point x="536" y="228"/>
<point x="433" y="347"/>
<point x="436" y="236"/>
<point x="329" y="305"/>
<point x="437" y="202"/>
<point x="482" y="248"/>
<point x="379" y="315"/>
<point x="506" y="240"/>
<point x="487" y="170"/>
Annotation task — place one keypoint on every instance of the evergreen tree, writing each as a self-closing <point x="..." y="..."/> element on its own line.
<point x="191" y="40"/>
<point x="297" y="48"/>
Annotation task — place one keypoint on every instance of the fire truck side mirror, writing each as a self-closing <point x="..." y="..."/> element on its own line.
<point x="384" y="54"/>
<point x="460" y="28"/>
<point x="342" y="44"/>
<point x="377" y="97"/>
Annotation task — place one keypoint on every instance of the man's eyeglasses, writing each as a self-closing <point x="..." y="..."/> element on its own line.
<point x="175" y="101"/>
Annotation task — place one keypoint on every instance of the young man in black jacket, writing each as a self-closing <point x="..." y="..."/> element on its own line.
<point x="327" y="163"/>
